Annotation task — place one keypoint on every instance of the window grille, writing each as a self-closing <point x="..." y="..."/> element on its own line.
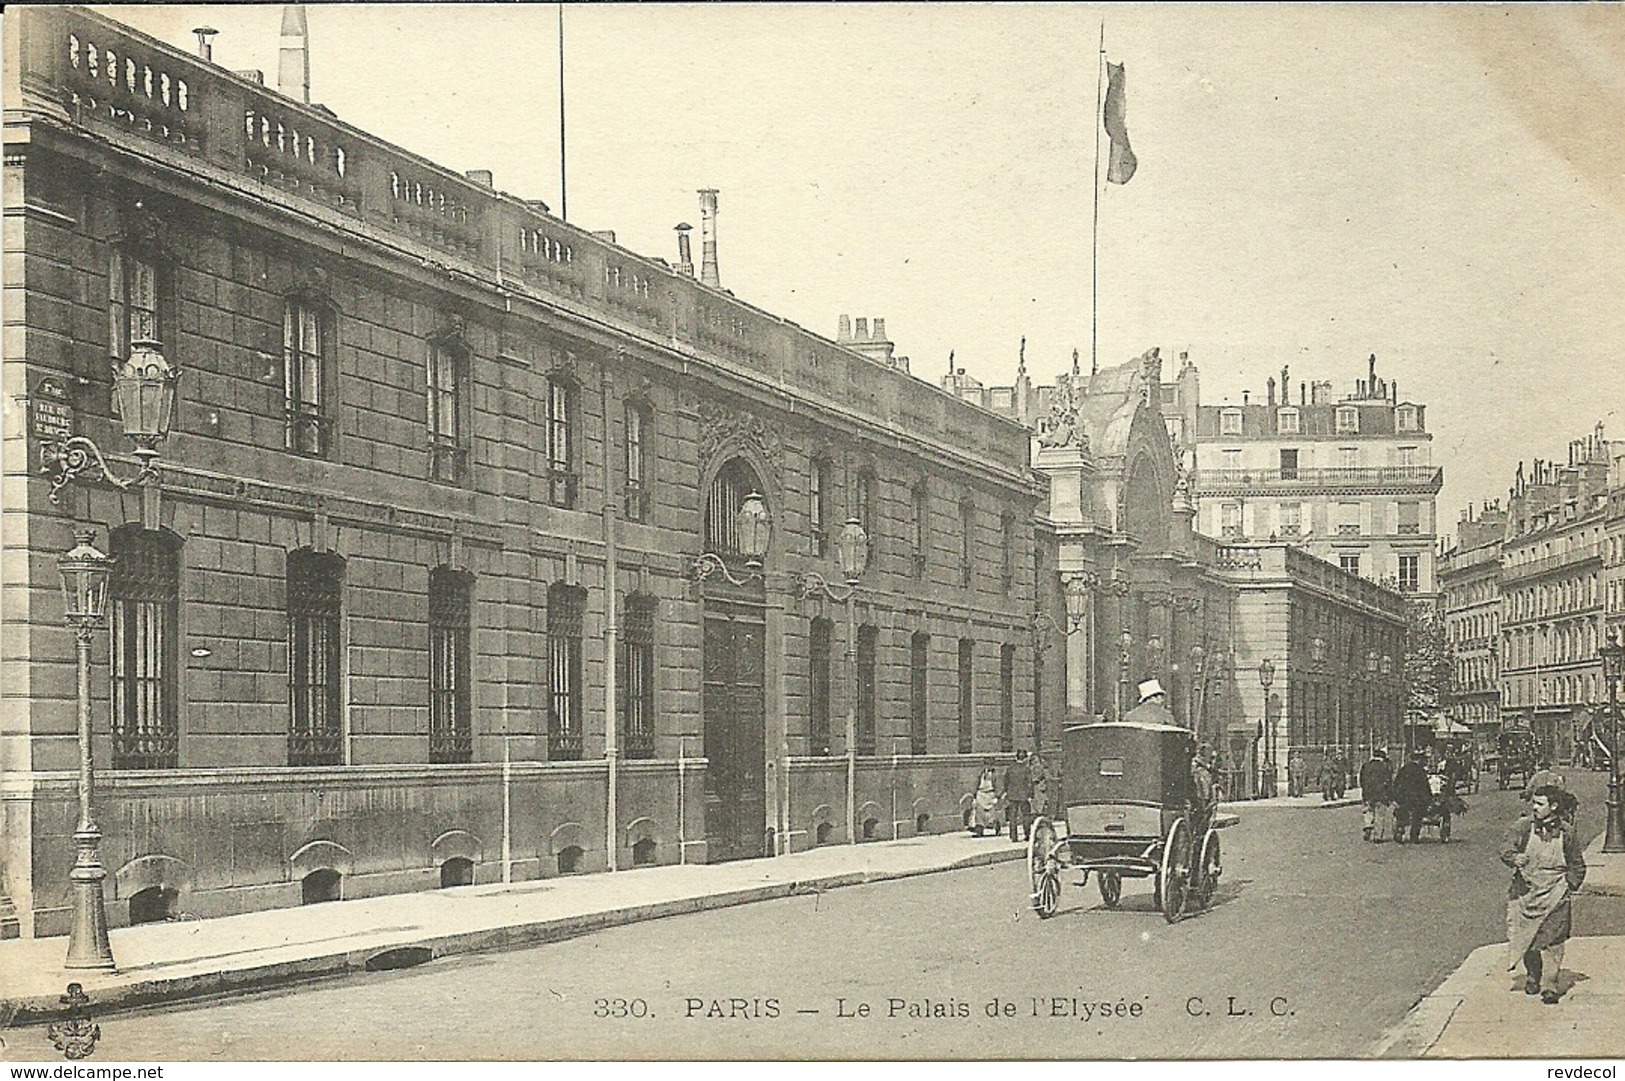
<point x="315" y="584"/>
<point x="818" y="685"/>
<point x="638" y="677"/>
<point x="967" y="655"/>
<point x="967" y="542"/>
<point x="1007" y="698"/>
<point x="638" y="486"/>
<point x="921" y="539"/>
<point x="1007" y="562"/>
<point x="864" y="511"/>
<point x="818" y="494"/>
<point x="868" y="637"/>
<point x="918" y="692"/>
<point x="566" y="612"/>
<point x="448" y="380"/>
<point x="451" y="729"/>
<point x="144" y="602"/>
<point x="561" y="449"/>
<point x="729" y="488"/>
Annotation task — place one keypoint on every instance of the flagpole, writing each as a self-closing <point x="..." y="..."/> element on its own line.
<point x="1094" y="260"/>
<point x="564" y="191"/>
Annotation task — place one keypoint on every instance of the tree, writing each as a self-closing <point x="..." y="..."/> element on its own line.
<point x="1430" y="662"/>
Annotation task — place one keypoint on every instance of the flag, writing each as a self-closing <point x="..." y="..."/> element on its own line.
<point x="1120" y="167"/>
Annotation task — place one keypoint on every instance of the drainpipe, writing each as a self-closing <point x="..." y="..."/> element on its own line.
<point x="612" y="750"/>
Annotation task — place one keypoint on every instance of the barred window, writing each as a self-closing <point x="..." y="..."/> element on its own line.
<point x="561" y="441"/>
<point x="818" y="685"/>
<point x="637" y="663"/>
<point x="451" y="727"/>
<point x="1007" y="698"/>
<point x="818" y="495"/>
<point x="863" y="509"/>
<point x="868" y="636"/>
<point x="144" y="602"/>
<point x="920" y="540"/>
<point x="304" y="378"/>
<point x="1007" y="564"/>
<point x="919" y="670"/>
<point x="967" y="542"/>
<point x="734" y="482"/>
<point x="315" y="606"/>
<point x="140" y="301"/>
<point x="448" y="402"/>
<point x="967" y="659"/>
<point x="566" y="612"/>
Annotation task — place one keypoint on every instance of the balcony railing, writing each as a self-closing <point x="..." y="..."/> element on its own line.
<point x="1411" y="476"/>
<point x="1582" y="554"/>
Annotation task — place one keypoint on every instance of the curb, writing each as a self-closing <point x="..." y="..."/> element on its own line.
<point x="1421" y="1028"/>
<point x="32" y="1009"/>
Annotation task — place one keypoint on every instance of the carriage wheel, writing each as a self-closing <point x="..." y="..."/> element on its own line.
<point x="1111" y="888"/>
<point x="1211" y="868"/>
<point x="1176" y="870"/>
<point x="1045" y="868"/>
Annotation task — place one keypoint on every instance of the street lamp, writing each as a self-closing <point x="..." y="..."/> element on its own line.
<point x="1613" y="667"/>
<point x="1077" y="601"/>
<point x="1385" y="665"/>
<point x="144" y="402"/>
<point x="1193" y="716"/>
<point x="852" y="552"/>
<point x="1266" y="676"/>
<point x="1127" y="644"/>
<point x="1371" y="664"/>
<point x="753" y="526"/>
<point x="84" y="572"/>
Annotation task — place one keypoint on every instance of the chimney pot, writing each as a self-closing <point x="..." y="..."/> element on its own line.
<point x="205" y="41"/>
<point x="293" y="65"/>
<point x="1270" y="383"/>
<point x="862" y="328"/>
<point x="1244" y="395"/>
<point x="844" y="331"/>
<point x="708" y="238"/>
<point x="879" y="333"/>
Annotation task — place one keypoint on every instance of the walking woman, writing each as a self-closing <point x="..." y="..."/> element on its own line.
<point x="1547" y="868"/>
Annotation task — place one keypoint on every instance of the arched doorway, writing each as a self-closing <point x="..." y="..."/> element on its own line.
<point x="733" y="703"/>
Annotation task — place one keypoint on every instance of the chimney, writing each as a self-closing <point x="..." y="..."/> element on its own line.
<point x="1372" y="376"/>
<point x="1303" y="393"/>
<point x="293" y="65"/>
<point x="685" y="251"/>
<point x="1244" y="396"/>
<point x="843" y="332"/>
<point x="1286" y="387"/>
<point x="205" y="42"/>
<point x="708" y="238"/>
<point x="878" y="333"/>
<point x="1270" y="383"/>
<point x="862" y="332"/>
<point x="482" y="177"/>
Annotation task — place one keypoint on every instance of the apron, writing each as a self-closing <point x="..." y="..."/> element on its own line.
<point x="1540" y="918"/>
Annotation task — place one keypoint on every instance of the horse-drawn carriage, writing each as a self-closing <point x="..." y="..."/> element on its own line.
<point x="1514" y="757"/>
<point x="1129" y="810"/>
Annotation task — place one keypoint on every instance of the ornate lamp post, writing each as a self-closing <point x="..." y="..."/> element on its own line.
<point x="1613" y="667"/>
<point x="852" y="552"/>
<point x="1266" y="781"/>
<point x="84" y="572"/>
<point x="1127" y="644"/>
<point x="1193" y="715"/>
<point x="753" y="527"/>
<point x="1385" y="665"/>
<point x="1077" y="602"/>
<point x="144" y="389"/>
<point x="144" y="402"/>
<point x="1371" y="664"/>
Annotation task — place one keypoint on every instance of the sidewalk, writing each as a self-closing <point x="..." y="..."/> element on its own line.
<point x="1475" y="1013"/>
<point x="1350" y="798"/>
<point x="184" y="959"/>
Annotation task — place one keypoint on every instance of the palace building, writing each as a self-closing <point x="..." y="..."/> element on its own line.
<point x="480" y="548"/>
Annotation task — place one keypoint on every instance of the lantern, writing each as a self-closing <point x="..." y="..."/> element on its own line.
<point x="144" y="396"/>
<point x="852" y="549"/>
<point x="754" y="528"/>
<point x="84" y="571"/>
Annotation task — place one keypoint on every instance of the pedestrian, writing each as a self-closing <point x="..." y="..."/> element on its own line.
<point x="1018" y="796"/>
<point x="1295" y="768"/>
<point x="984" y="809"/>
<point x="1376" y="792"/>
<point x="1045" y="795"/>
<point x="1204" y="790"/>
<point x="1412" y="792"/>
<point x="1547" y="868"/>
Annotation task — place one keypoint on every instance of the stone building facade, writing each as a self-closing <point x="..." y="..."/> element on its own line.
<point x="1470" y="602"/>
<point x="414" y="601"/>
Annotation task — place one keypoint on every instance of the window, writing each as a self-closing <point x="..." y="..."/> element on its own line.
<point x="315" y="604"/>
<point x="920" y="541"/>
<point x="1348" y="519"/>
<point x="734" y="483"/>
<point x="1410" y="566"/>
<point x="868" y="635"/>
<point x="1230" y="422"/>
<point x="143" y="594"/>
<point x="1348" y="457"/>
<point x="140" y="300"/>
<point x="1405" y="418"/>
<point x="1231" y="459"/>
<point x="1286" y="422"/>
<point x="1230" y="520"/>
<point x="1007" y="563"/>
<point x="1405" y="457"/>
<point x="448" y="398"/>
<point x="967" y="541"/>
<point x="637" y="663"/>
<point x="451" y="726"/>
<point x="561" y="441"/>
<point x="639" y="478"/>
<point x="1289" y="464"/>
<point x="919" y="673"/>
<point x="304" y="379"/>
<point x="967" y="656"/>
<point x="818" y="495"/>
<point x="818" y="681"/>
<point x="1348" y="420"/>
<point x="863" y="509"/>
<point x="566" y="611"/>
<point x="1349" y="561"/>
<point x="1291" y="519"/>
<point x="1410" y="518"/>
<point x="1007" y="697"/>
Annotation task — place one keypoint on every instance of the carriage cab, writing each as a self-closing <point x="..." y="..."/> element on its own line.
<point x="1125" y="782"/>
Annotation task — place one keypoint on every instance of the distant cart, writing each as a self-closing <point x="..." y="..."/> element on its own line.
<point x="1515" y="757"/>
<point x="1127" y="796"/>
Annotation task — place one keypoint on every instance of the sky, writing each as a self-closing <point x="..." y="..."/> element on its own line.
<point x="1441" y="185"/>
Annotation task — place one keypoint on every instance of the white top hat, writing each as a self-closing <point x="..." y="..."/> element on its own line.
<point x="1149" y="688"/>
